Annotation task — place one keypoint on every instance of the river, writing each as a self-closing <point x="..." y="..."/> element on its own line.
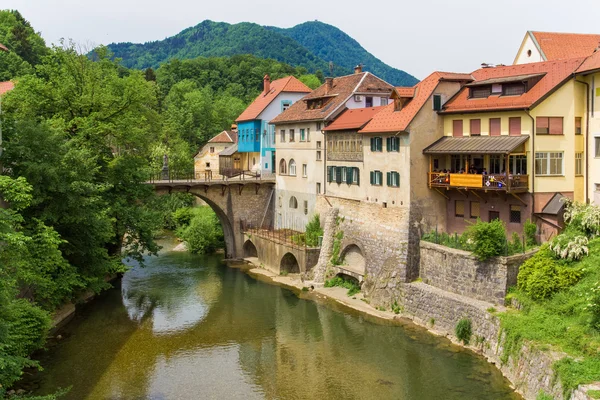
<point x="189" y="327"/>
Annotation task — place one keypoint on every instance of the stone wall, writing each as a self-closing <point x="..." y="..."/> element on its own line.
<point x="270" y="253"/>
<point x="440" y="311"/>
<point x="460" y="272"/>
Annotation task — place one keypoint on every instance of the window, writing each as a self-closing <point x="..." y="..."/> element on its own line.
<point x="480" y="92"/>
<point x="384" y="101"/>
<point x="517" y="164"/>
<point x="457" y="128"/>
<point x="302" y="135"/>
<point x="376" y="178"/>
<point x="495" y="164"/>
<point x="437" y="102"/>
<point x="318" y="126"/>
<point x="318" y="155"/>
<point x="597" y="147"/>
<point x="475" y="126"/>
<point x="292" y="137"/>
<point x="549" y="163"/>
<point x="475" y="209"/>
<point x="368" y="101"/>
<point x="282" y="136"/>
<point x="305" y="207"/>
<point x="331" y="174"/>
<point x="344" y="175"/>
<point x="212" y="149"/>
<point x="515" y="214"/>
<point x="338" y="174"/>
<point x="304" y="171"/>
<point x="495" y="126"/>
<point x="308" y="134"/>
<point x="318" y="144"/>
<point x="393" y="179"/>
<point x="393" y="144"/>
<point x="514" y="126"/>
<point x="578" y="125"/>
<point x="293" y="202"/>
<point x="376" y="144"/>
<point x="285" y="105"/>
<point x="578" y="164"/>
<point x="282" y="167"/>
<point x="207" y="165"/>
<point x="459" y="208"/>
<point x="513" y="89"/>
<point x="355" y="176"/>
<point x="549" y="125"/>
<point x="318" y="187"/>
<point x="292" y="167"/>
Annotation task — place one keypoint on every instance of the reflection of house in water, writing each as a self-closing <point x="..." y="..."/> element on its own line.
<point x="206" y="161"/>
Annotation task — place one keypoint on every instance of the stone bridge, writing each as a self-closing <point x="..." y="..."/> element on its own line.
<point x="237" y="203"/>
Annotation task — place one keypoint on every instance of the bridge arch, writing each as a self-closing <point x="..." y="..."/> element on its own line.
<point x="353" y="259"/>
<point x="289" y="264"/>
<point x="250" y="249"/>
<point x="228" y="232"/>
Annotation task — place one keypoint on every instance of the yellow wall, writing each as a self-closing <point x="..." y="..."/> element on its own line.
<point x="594" y="132"/>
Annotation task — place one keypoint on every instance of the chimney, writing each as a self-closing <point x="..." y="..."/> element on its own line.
<point x="267" y="84"/>
<point x="358" y="69"/>
<point x="328" y="85"/>
<point x="233" y="127"/>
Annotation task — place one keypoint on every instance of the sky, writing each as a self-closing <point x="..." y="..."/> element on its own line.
<point x="418" y="37"/>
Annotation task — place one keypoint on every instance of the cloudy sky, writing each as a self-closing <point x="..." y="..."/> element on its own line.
<point x="417" y="36"/>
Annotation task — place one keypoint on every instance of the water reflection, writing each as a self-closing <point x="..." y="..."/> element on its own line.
<point x="186" y="327"/>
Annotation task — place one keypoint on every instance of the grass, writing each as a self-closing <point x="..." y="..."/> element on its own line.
<point x="594" y="394"/>
<point x="350" y="284"/>
<point x="563" y="322"/>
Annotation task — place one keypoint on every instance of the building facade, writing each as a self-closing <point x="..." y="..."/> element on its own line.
<point x="206" y="161"/>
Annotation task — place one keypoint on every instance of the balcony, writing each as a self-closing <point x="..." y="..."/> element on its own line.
<point x="489" y="182"/>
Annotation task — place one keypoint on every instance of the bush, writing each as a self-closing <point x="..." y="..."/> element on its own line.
<point x="530" y="230"/>
<point x="516" y="244"/>
<point x="488" y="238"/>
<point x="570" y="245"/>
<point x="542" y="275"/>
<point x="183" y="216"/>
<point x="313" y="231"/>
<point x="204" y="233"/>
<point x="350" y="284"/>
<point x="583" y="217"/>
<point x="464" y="330"/>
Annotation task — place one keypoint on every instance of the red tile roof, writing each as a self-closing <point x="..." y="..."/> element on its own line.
<point x="6" y="86"/>
<point x="3" y="47"/>
<point x="555" y="73"/>
<point x="337" y="95"/>
<point x="288" y="84"/>
<point x="404" y="91"/>
<point x="592" y="63"/>
<point x="224" y="137"/>
<point x="561" y="46"/>
<point x="354" y="118"/>
<point x="389" y="120"/>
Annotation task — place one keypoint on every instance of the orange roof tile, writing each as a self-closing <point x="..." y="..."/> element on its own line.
<point x="224" y="137"/>
<point x="404" y="91"/>
<point x="389" y="120"/>
<point x="561" y="46"/>
<point x="288" y="84"/>
<point x="591" y="63"/>
<point x="6" y="86"/>
<point x="340" y="91"/>
<point x="354" y="118"/>
<point x="554" y="74"/>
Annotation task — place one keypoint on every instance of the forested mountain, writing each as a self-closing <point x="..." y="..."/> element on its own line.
<point x="302" y="46"/>
<point x="330" y="43"/>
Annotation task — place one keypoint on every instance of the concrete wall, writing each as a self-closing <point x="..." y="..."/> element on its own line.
<point x="271" y="252"/>
<point x="462" y="273"/>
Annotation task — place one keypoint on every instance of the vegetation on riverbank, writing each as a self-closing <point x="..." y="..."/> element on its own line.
<point x="558" y="293"/>
<point x="348" y="283"/>
<point x="199" y="228"/>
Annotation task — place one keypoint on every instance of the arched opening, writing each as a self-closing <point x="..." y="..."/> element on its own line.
<point x="293" y="202"/>
<point x="349" y="278"/>
<point x="250" y="250"/>
<point x="353" y="259"/>
<point x="292" y="167"/>
<point x="282" y="167"/>
<point x="225" y="224"/>
<point x="289" y="264"/>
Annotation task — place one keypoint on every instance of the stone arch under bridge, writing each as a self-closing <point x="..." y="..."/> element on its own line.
<point x="238" y="205"/>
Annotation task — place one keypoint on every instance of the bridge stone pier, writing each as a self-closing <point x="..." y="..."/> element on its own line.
<point x="237" y="203"/>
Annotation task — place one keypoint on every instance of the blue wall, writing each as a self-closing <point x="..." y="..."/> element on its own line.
<point x="249" y="134"/>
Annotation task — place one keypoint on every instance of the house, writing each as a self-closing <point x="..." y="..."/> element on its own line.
<point x="512" y="139"/>
<point x="206" y="161"/>
<point x="553" y="46"/>
<point x="300" y="144"/>
<point x="256" y="137"/>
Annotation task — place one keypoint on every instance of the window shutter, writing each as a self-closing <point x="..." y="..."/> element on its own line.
<point x="389" y="178"/>
<point x="457" y="128"/>
<point x="556" y="126"/>
<point x="372" y="177"/>
<point x="357" y="174"/>
<point x="397" y="178"/>
<point x="372" y="144"/>
<point x="379" y="144"/>
<point x="514" y="126"/>
<point x="437" y="102"/>
<point x="388" y="144"/>
<point x="329" y="174"/>
<point x="349" y="171"/>
<point x="338" y="174"/>
<point x="495" y="126"/>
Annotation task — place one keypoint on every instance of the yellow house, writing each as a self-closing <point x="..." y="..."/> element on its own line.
<point x="513" y="146"/>
<point x="206" y="161"/>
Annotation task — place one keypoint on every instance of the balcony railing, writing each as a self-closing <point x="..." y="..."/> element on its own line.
<point x="496" y="182"/>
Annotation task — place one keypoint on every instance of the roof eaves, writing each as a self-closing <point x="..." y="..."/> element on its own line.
<point x="347" y="98"/>
<point x="554" y="89"/>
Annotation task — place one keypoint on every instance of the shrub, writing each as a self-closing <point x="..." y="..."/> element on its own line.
<point x="204" y="233"/>
<point x="583" y="217"/>
<point x="183" y="216"/>
<point x="337" y="247"/>
<point x="570" y="246"/>
<point x="516" y="244"/>
<point x="542" y="275"/>
<point x="313" y="231"/>
<point x="350" y="284"/>
<point x="396" y="308"/>
<point x="464" y="330"/>
<point x="593" y="306"/>
<point x="488" y="238"/>
<point x="530" y="229"/>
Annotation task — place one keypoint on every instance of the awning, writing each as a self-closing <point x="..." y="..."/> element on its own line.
<point x="555" y="205"/>
<point x="476" y="145"/>
<point x="231" y="150"/>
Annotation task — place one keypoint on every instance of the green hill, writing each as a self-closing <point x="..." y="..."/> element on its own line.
<point x="217" y="39"/>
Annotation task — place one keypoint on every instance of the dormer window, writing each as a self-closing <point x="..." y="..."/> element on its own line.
<point x="514" y="89"/>
<point x="480" y="92"/>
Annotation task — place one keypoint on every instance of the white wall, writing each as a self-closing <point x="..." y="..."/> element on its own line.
<point x="529" y="45"/>
<point x="361" y="104"/>
<point x="274" y="109"/>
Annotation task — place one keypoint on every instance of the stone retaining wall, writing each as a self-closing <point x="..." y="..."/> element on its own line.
<point x="460" y="272"/>
<point x="271" y="251"/>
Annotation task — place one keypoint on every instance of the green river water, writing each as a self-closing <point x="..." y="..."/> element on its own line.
<point x="189" y="327"/>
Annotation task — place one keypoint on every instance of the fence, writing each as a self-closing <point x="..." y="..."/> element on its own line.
<point x="207" y="176"/>
<point x="291" y="237"/>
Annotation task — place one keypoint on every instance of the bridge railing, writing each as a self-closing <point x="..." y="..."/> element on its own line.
<point x="207" y="176"/>
<point x="291" y="237"/>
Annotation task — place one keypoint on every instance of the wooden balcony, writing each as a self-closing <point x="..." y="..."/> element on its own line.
<point x="493" y="182"/>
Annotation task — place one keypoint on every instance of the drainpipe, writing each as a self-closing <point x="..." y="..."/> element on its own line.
<point x="532" y="164"/>
<point x="585" y="138"/>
